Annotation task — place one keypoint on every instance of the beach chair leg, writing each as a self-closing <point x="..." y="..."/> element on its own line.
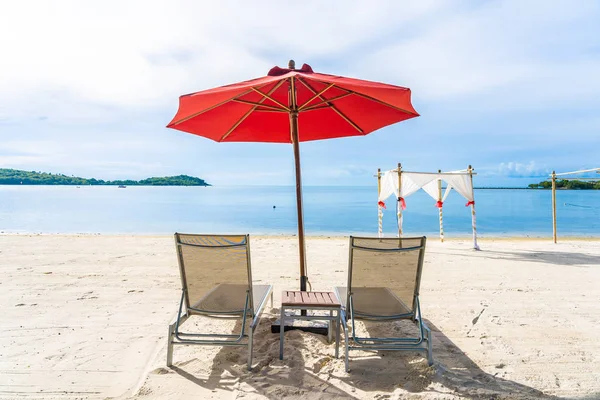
<point x="281" y="332"/>
<point x="170" y="345"/>
<point x="271" y="299"/>
<point x="429" y="347"/>
<point x="346" y="359"/>
<point x="250" y="340"/>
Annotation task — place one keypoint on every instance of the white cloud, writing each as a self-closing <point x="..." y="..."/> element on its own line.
<point x="517" y="169"/>
<point x="138" y="54"/>
<point x="89" y="86"/>
<point x="71" y="59"/>
<point x="509" y="54"/>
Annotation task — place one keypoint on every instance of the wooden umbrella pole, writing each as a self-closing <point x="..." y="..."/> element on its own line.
<point x="399" y="216"/>
<point x="301" y="243"/>
<point x="554" y="206"/>
<point x="440" y="207"/>
<point x="296" y="143"/>
<point x="379" y="210"/>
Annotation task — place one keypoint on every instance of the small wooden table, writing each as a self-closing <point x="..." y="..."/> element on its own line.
<point x="315" y="301"/>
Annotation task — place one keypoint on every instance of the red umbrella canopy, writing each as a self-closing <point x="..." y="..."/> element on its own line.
<point x="259" y="110"/>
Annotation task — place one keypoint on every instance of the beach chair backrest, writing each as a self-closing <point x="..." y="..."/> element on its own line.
<point x="209" y="262"/>
<point x="392" y="263"/>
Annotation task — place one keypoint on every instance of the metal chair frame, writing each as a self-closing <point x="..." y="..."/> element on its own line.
<point x="175" y="337"/>
<point x="421" y="343"/>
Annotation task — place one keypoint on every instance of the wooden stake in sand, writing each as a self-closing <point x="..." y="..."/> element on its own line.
<point x="379" y="210"/>
<point x="399" y="216"/>
<point x="440" y="205"/>
<point x="562" y="174"/>
<point x="554" y="206"/>
<point x="473" y="219"/>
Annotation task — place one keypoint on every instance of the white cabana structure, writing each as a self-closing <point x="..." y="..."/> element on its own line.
<point x="404" y="183"/>
<point x="564" y="176"/>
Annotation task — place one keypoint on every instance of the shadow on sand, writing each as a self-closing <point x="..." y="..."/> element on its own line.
<point x="270" y="377"/>
<point x="453" y="375"/>
<point x="453" y="372"/>
<point x="545" y="257"/>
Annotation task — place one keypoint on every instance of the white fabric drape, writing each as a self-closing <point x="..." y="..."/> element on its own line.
<point x="447" y="192"/>
<point x="411" y="182"/>
<point x="432" y="189"/>
<point x="389" y="185"/>
<point x="462" y="184"/>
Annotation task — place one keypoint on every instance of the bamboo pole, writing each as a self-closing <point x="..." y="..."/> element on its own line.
<point x="440" y="208"/>
<point x="577" y="172"/>
<point x="399" y="216"/>
<point x="554" y="206"/>
<point x="379" y="210"/>
<point x="473" y="217"/>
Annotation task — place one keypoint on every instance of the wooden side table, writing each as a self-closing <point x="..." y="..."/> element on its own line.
<point x="310" y="301"/>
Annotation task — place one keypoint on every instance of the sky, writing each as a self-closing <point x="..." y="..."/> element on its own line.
<point x="510" y="87"/>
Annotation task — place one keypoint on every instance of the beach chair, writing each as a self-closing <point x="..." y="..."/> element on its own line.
<point x="384" y="276"/>
<point x="216" y="280"/>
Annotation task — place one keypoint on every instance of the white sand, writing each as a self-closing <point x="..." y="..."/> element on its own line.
<point x="87" y="317"/>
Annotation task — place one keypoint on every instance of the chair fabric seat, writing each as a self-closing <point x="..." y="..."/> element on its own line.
<point x="374" y="301"/>
<point x="230" y="298"/>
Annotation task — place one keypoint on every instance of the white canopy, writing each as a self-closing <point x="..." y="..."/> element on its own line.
<point x="411" y="182"/>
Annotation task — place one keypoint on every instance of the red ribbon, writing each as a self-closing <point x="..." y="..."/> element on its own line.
<point x="402" y="203"/>
<point x="381" y="204"/>
<point x="439" y="204"/>
<point x="470" y="203"/>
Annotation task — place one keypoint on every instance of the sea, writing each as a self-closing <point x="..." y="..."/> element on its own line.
<point x="271" y="210"/>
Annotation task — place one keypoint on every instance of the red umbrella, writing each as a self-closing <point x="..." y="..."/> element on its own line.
<point x="291" y="106"/>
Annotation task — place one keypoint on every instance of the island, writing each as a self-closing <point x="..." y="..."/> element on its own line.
<point x="19" y="177"/>
<point x="567" y="184"/>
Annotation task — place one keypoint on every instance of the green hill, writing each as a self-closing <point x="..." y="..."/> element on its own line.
<point x="567" y="184"/>
<point x="18" y="177"/>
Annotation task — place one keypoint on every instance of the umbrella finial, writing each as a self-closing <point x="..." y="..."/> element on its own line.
<point x="292" y="64"/>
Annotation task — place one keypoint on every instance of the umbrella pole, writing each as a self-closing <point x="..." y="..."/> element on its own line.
<point x="301" y="244"/>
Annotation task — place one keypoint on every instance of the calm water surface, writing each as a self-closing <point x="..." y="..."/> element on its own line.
<point x="328" y="210"/>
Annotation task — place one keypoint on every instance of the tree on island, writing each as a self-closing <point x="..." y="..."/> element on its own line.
<point x="19" y="177"/>
<point x="567" y="184"/>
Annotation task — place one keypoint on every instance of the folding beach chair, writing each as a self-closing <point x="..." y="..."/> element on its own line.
<point x="216" y="280"/>
<point x="384" y="276"/>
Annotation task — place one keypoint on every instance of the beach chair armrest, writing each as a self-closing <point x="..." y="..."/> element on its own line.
<point x="181" y="315"/>
<point x="261" y="307"/>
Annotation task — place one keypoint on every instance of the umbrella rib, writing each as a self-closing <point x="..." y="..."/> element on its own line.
<point x="318" y="105"/>
<point x="349" y="92"/>
<point x="252" y="103"/>
<point x="381" y="102"/>
<point x="315" y="96"/>
<point x="270" y="98"/>
<point x="250" y="111"/>
<point x="207" y="109"/>
<point x="334" y="108"/>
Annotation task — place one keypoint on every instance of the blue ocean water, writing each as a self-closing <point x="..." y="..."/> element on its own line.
<point x="328" y="211"/>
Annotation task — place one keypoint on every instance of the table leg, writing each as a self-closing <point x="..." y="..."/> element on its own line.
<point x="281" y="331"/>
<point x="337" y="335"/>
<point x="329" y="333"/>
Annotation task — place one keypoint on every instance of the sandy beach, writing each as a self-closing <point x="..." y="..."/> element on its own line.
<point x="86" y="317"/>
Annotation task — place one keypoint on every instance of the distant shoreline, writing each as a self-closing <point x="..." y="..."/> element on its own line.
<point x="16" y="177"/>
<point x="209" y="185"/>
